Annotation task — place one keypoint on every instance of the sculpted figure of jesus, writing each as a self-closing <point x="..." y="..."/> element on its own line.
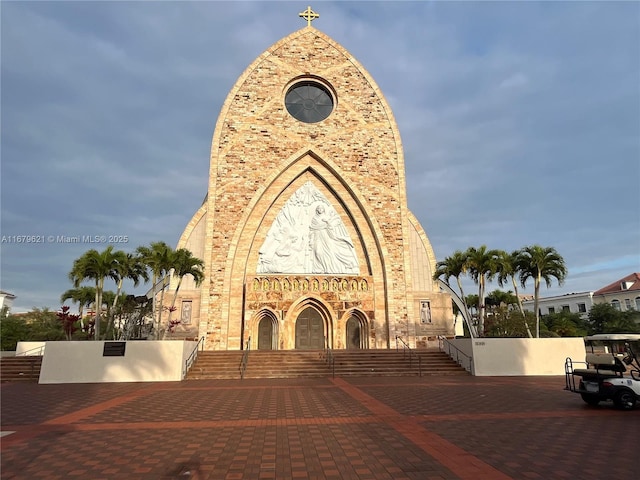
<point x="331" y="248"/>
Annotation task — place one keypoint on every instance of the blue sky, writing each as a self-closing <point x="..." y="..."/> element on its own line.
<point x="520" y="122"/>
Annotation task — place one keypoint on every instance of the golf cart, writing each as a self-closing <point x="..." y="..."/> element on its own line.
<point x="612" y="370"/>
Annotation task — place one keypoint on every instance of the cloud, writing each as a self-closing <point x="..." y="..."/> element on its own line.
<point x="519" y="121"/>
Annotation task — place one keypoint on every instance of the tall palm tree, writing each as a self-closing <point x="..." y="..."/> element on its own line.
<point x="96" y="266"/>
<point x="83" y="296"/>
<point x="508" y="269"/>
<point x="540" y="263"/>
<point x="108" y="298"/>
<point x="482" y="265"/>
<point x="454" y="266"/>
<point x="184" y="263"/>
<point x="128" y="266"/>
<point x="158" y="258"/>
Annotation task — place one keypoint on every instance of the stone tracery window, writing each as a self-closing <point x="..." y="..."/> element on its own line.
<point x="309" y="102"/>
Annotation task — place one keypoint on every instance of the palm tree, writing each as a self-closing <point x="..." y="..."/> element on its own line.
<point x="108" y="299"/>
<point x="540" y="263"/>
<point x="157" y="257"/>
<point x="184" y="263"/>
<point x="96" y="266"/>
<point x="482" y="265"/>
<point x="453" y="266"/>
<point x="509" y="268"/>
<point x="83" y="296"/>
<point x="128" y="267"/>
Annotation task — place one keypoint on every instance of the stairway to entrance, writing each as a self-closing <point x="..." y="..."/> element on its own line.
<point x="20" y="369"/>
<point x="313" y="363"/>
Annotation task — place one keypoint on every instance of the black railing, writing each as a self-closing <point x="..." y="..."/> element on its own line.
<point x="32" y="352"/>
<point x="329" y="358"/>
<point x="408" y="351"/>
<point x="193" y="357"/>
<point x="245" y="358"/>
<point x="444" y="345"/>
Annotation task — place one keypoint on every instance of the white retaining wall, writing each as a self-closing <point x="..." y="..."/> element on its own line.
<point x="143" y="361"/>
<point x="521" y="356"/>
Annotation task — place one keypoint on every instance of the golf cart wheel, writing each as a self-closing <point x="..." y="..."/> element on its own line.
<point x="590" y="399"/>
<point x="624" y="399"/>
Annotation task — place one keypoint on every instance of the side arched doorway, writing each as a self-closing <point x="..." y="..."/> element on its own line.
<point x="267" y="331"/>
<point x="309" y="330"/>
<point x="356" y="331"/>
<point x="354" y="334"/>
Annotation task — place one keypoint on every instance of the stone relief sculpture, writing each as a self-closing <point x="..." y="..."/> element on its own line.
<point x="308" y="236"/>
<point x="425" y="311"/>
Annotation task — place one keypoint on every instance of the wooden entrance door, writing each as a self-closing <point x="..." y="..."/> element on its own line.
<point x="353" y="333"/>
<point x="265" y="334"/>
<point x="309" y="330"/>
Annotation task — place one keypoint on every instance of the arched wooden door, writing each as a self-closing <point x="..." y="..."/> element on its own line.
<point x="265" y="334"/>
<point x="309" y="330"/>
<point x="354" y="333"/>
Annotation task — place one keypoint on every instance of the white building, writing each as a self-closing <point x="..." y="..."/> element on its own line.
<point x="6" y="300"/>
<point x="572" y="302"/>
<point x="623" y="294"/>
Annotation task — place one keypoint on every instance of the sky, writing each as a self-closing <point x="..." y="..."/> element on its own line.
<point x="520" y="123"/>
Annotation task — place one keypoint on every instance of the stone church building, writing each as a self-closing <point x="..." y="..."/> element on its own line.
<point x="305" y="232"/>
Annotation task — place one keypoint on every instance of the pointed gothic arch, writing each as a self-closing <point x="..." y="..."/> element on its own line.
<point x="356" y="329"/>
<point x="265" y="330"/>
<point x="321" y="310"/>
<point x="262" y="152"/>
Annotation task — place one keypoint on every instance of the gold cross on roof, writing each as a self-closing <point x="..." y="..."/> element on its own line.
<point x="309" y="15"/>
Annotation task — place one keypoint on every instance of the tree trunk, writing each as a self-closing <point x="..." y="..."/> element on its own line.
<point x="173" y="306"/>
<point x="158" y="333"/>
<point x="536" y="300"/>
<point x="99" y="284"/>
<point x="466" y="307"/>
<point x="113" y="308"/>
<point x="81" y="311"/>
<point x="481" y="306"/>
<point x="524" y="318"/>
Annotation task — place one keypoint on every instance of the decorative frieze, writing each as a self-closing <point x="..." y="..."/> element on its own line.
<point x="294" y="283"/>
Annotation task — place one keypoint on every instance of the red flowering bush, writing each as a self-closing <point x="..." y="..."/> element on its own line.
<point x="69" y="321"/>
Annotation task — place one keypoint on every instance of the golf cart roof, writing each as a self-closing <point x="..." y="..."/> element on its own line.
<point x="612" y="337"/>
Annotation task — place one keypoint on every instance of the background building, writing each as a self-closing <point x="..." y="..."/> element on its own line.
<point x="6" y="300"/>
<point x="623" y="294"/>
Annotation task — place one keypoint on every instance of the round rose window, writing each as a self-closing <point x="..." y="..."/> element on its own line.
<point x="309" y="102"/>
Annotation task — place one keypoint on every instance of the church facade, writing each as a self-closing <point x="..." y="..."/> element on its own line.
<point x="305" y="232"/>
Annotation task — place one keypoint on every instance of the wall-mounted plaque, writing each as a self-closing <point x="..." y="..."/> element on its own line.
<point x="114" y="349"/>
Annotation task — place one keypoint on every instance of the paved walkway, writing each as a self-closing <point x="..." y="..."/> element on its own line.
<point x="357" y="428"/>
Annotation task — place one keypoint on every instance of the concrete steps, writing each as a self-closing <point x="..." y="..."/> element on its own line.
<point x="20" y="369"/>
<point x="395" y="363"/>
<point x="312" y="363"/>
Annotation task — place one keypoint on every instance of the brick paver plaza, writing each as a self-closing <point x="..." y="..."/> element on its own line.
<point x="354" y="428"/>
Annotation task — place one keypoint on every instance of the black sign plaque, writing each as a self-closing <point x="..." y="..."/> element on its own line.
<point x="114" y="349"/>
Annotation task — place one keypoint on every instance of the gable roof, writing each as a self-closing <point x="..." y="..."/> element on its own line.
<point x="631" y="283"/>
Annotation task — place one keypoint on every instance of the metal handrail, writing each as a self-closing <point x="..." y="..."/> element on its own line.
<point x="407" y="348"/>
<point x="329" y="358"/>
<point x="29" y="353"/>
<point x="442" y="340"/>
<point x="192" y="357"/>
<point x="245" y="359"/>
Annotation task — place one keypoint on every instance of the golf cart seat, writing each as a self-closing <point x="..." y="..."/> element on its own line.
<point x="600" y="364"/>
